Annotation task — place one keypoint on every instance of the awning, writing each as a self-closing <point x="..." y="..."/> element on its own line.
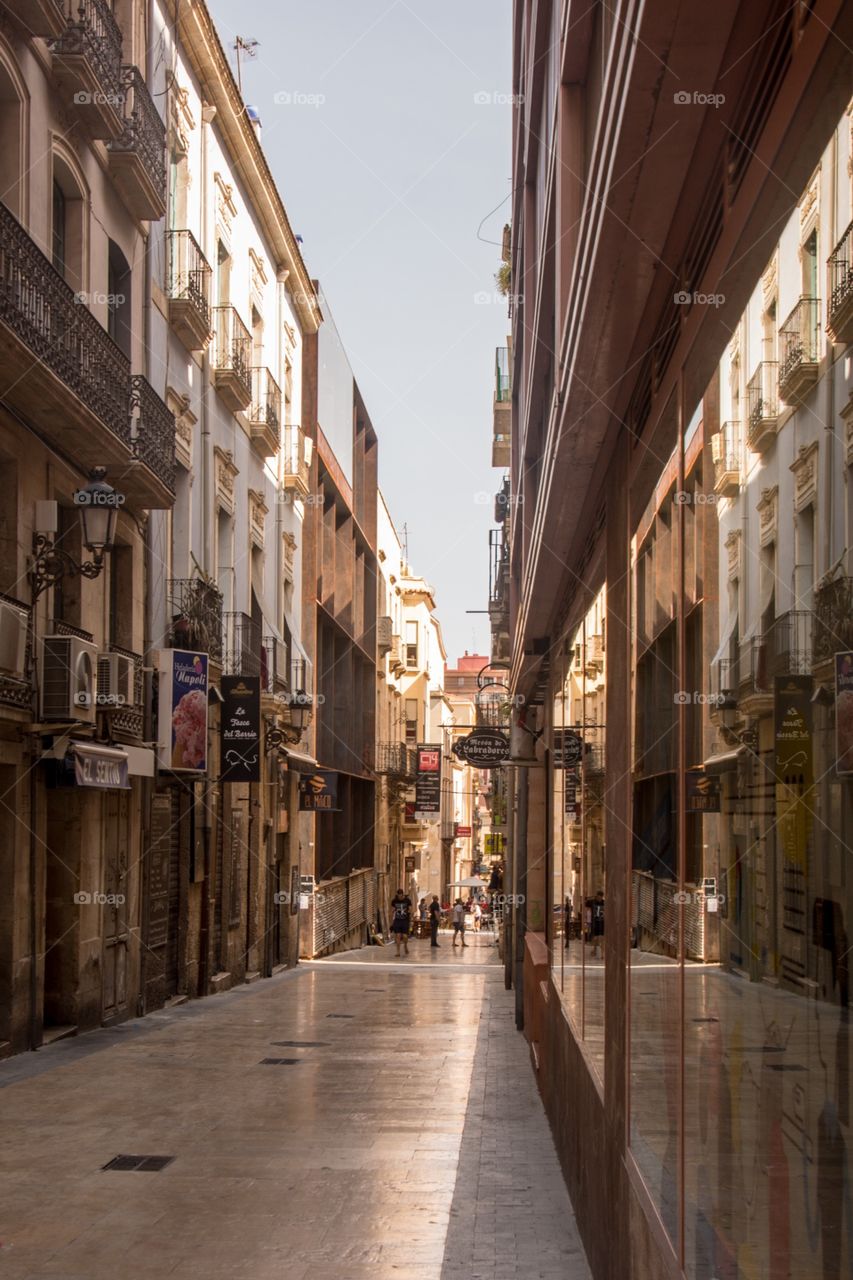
<point x="300" y="761"/>
<point x="104" y="768"/>
<point x="140" y="762"/>
<point x="725" y="761"/>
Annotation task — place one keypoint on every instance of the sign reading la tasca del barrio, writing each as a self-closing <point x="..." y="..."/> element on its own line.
<point x="240" y="729"/>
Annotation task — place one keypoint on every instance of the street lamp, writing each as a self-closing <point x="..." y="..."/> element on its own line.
<point x="300" y="708"/>
<point x="98" y="504"/>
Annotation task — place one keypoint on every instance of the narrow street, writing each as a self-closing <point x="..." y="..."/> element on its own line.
<point x="446" y="1168"/>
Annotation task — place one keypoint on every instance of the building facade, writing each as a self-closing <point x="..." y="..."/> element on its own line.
<point x="680" y="376"/>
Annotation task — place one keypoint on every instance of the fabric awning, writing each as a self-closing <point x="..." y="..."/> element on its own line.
<point x="104" y="768"/>
<point x="140" y="762"/>
<point x="725" y="638"/>
<point x="300" y="761"/>
<point x="724" y="761"/>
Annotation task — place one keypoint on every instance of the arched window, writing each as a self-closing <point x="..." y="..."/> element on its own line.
<point x="13" y="135"/>
<point x="69" y="221"/>
<point x="118" y="299"/>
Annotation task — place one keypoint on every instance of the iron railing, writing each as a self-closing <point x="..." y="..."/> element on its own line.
<point x="144" y="133"/>
<point x="725" y="448"/>
<point x="242" y="646"/>
<point x="840" y="267"/>
<point x="93" y="33"/>
<point x="129" y="719"/>
<point x="503" y="392"/>
<point x="17" y="691"/>
<point x="196" y="607"/>
<point x="833" y="619"/>
<point x="296" y="465"/>
<point x="154" y="436"/>
<point x="232" y="345"/>
<point x="798" y="337"/>
<point x="395" y="759"/>
<point x="266" y="399"/>
<point x="762" y="393"/>
<point x="46" y="314"/>
<point x="190" y="274"/>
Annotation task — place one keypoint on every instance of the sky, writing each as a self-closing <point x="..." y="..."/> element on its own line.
<point x="387" y="125"/>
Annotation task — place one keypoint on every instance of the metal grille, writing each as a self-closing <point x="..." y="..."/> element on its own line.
<point x="144" y="132"/>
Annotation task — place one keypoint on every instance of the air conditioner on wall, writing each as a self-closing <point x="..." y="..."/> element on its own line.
<point x="68" y="687"/>
<point x="116" y="678"/>
<point x="13" y="639"/>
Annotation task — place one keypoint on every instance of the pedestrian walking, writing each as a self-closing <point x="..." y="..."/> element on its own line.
<point x="477" y="913"/>
<point x="598" y="925"/>
<point x="401" y="919"/>
<point x="434" y="921"/>
<point x="459" y="922"/>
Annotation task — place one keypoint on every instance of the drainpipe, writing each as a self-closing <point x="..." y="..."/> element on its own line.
<point x="207" y="114"/>
<point x="829" y="425"/>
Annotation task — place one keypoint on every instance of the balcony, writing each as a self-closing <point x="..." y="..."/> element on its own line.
<point x="232" y="346"/>
<point x="839" y="321"/>
<point x="395" y="761"/>
<point x="16" y="688"/>
<point x="138" y="155"/>
<point x="297" y="462"/>
<point x="275" y="674"/>
<point x="242" y="645"/>
<point x="87" y="67"/>
<point x="66" y="377"/>
<point x="126" y="719"/>
<point x="833" y="619"/>
<point x="502" y="410"/>
<point x="265" y="413"/>
<point x="196" y="608"/>
<point x="784" y="649"/>
<point x="798" y="337"/>
<point x="762" y="393"/>
<point x="190" y="276"/>
<point x="725" y="451"/>
<point x="724" y="684"/>
<point x="45" y="18"/>
<point x="395" y="655"/>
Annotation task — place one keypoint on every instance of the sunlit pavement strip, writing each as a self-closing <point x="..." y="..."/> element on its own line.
<point x="407" y="1138"/>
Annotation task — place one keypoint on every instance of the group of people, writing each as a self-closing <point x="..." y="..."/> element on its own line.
<point x="402" y="919"/>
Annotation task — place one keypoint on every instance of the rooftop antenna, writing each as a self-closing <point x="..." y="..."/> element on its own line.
<point x="405" y="534"/>
<point x="247" y="46"/>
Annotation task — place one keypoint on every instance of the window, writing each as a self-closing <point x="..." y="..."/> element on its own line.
<point x="58" y="228"/>
<point x="411" y="721"/>
<point x="411" y="644"/>
<point x="223" y="275"/>
<point x="69" y="221"/>
<point x="12" y="135"/>
<point x="118" y="299"/>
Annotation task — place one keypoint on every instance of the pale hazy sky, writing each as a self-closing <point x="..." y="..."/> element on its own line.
<point x="390" y="141"/>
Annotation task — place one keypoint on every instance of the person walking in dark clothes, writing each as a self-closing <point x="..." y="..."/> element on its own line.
<point x="434" y="920"/>
<point x="401" y="919"/>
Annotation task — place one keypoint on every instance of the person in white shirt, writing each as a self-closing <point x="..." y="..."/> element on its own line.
<point x="459" y="922"/>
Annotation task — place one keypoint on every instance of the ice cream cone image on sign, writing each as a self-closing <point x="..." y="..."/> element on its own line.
<point x="183" y="710"/>
<point x="189" y="731"/>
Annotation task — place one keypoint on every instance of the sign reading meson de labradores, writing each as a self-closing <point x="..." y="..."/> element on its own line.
<point x="486" y="748"/>
<point x="428" y="782"/>
<point x="240" y="729"/>
<point x="319" y="791"/>
<point x="182" y="726"/>
<point x="844" y="713"/>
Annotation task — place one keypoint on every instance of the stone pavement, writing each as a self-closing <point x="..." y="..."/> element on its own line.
<point x="399" y="1132"/>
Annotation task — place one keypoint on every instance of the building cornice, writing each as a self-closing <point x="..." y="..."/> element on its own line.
<point x="200" y="42"/>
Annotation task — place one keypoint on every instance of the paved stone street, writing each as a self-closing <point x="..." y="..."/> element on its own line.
<point x="376" y="1141"/>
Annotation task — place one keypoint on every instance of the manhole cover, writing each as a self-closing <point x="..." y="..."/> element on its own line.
<point x="138" y="1164"/>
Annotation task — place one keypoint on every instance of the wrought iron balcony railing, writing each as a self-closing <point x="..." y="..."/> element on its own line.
<point x="503" y="391"/>
<point x="242" y="645"/>
<point x="395" y="760"/>
<point x="88" y="62"/>
<point x="190" y="277"/>
<point x="16" y="689"/>
<point x="143" y="140"/>
<point x="798" y="337"/>
<point x="833" y="619"/>
<point x="726" y="451"/>
<point x="154" y="435"/>
<point x="265" y="412"/>
<point x="840" y="269"/>
<point x="196" y="607"/>
<point x="37" y="304"/>
<point x="762" y="392"/>
<point x="297" y="466"/>
<point x="231" y="358"/>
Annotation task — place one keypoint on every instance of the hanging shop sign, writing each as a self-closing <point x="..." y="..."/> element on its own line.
<point x="461" y="831"/>
<point x="182" y="725"/>
<point x="102" y="767"/>
<point x="240" y="729"/>
<point x="703" y="792"/>
<point x="844" y="713"/>
<point x="409" y="863"/>
<point x="428" y="782"/>
<point x="485" y="748"/>
<point x="571" y="796"/>
<point x="793" y="730"/>
<point x="319" y="791"/>
<point x="568" y="748"/>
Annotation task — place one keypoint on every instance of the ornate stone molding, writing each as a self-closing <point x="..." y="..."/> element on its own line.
<point x="258" y="511"/>
<point x="225" y="206"/>
<point x="257" y="273"/>
<point x="225" y="474"/>
<point x="185" y="420"/>
<point x="846" y="414"/>
<point x="181" y="120"/>
<point x="810" y="206"/>
<point x="290" y="334"/>
<point x="768" y="515"/>
<point x="288" y="548"/>
<point x="734" y="346"/>
<point x="769" y="281"/>
<point x="732" y="545"/>
<point x="805" y="476"/>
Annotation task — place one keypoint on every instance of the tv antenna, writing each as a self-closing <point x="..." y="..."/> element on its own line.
<point x="243" y="45"/>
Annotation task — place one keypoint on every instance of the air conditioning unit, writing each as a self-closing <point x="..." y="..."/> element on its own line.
<point x="13" y="639"/>
<point x="116" y="681"/>
<point x="68" y="688"/>
<point x="383" y="635"/>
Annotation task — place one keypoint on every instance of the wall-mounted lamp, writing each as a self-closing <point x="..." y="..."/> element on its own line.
<point x="98" y="503"/>
<point x="300" y="708"/>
